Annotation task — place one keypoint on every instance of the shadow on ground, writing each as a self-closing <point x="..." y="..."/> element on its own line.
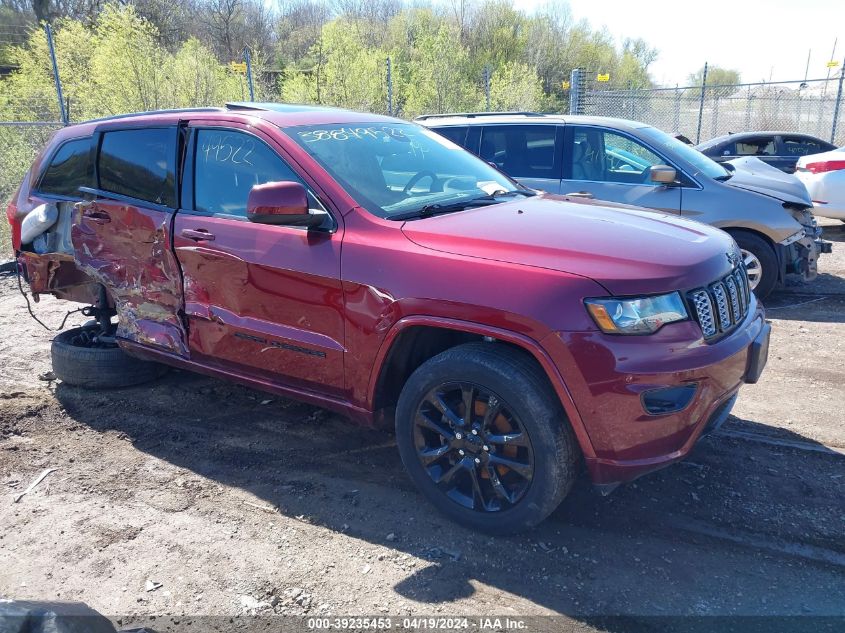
<point x="810" y="306"/>
<point x="834" y="232"/>
<point x="741" y="527"/>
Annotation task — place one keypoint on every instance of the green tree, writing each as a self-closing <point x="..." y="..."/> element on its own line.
<point x="347" y="74"/>
<point x="725" y="78"/>
<point x="516" y="86"/>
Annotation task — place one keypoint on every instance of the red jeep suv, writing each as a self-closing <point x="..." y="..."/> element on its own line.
<point x="370" y="266"/>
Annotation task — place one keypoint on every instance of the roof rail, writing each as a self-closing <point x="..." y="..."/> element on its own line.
<point x="472" y="115"/>
<point x="116" y="117"/>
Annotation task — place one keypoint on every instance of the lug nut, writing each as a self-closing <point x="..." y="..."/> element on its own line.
<point x="477" y="461"/>
<point x="475" y="431"/>
<point x="461" y="452"/>
<point x="486" y="448"/>
<point x="458" y="436"/>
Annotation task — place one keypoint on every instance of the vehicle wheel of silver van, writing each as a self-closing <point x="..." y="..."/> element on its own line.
<point x="484" y="437"/>
<point x="760" y="262"/>
<point x="753" y="267"/>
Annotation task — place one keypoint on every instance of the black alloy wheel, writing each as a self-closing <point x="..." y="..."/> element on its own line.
<point x="473" y="446"/>
<point x="484" y="437"/>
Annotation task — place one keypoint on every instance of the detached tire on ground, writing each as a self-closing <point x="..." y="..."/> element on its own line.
<point x="506" y="465"/>
<point x="98" y="367"/>
<point x="766" y="264"/>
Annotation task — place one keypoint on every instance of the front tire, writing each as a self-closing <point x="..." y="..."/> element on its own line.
<point x="484" y="437"/>
<point x="760" y="262"/>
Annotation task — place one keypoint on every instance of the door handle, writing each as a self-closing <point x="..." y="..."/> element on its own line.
<point x="198" y="235"/>
<point x="580" y="194"/>
<point x="97" y="217"/>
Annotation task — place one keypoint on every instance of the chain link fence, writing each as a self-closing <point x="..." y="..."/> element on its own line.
<point x="808" y="107"/>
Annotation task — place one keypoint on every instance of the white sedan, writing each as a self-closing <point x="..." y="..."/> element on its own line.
<point x="824" y="176"/>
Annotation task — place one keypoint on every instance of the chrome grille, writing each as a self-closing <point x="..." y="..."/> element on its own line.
<point x="733" y="294"/>
<point x="720" y="294"/>
<point x="739" y="274"/>
<point x="704" y="312"/>
<point x="724" y="303"/>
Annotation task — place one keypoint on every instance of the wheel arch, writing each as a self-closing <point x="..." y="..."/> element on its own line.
<point x="778" y="252"/>
<point x="414" y="339"/>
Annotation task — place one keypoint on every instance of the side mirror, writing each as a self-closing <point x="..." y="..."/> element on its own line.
<point x="284" y="203"/>
<point x="662" y="174"/>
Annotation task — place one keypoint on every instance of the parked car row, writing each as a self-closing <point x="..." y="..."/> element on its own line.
<point x="778" y="149"/>
<point x="374" y="267"/>
<point x="627" y="162"/>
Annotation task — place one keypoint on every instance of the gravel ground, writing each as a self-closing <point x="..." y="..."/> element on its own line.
<point x="237" y="502"/>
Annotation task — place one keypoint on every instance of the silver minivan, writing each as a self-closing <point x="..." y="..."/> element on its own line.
<point x="767" y="213"/>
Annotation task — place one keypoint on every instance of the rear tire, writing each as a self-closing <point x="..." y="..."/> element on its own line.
<point x="516" y="419"/>
<point x="101" y="367"/>
<point x="764" y="259"/>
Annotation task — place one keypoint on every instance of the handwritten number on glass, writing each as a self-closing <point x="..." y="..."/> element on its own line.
<point x="229" y="148"/>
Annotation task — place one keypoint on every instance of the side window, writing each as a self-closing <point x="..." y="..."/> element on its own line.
<point x="521" y="151"/>
<point x="139" y="163"/>
<point x="228" y="164"/>
<point x="69" y="169"/>
<point x="456" y="134"/>
<point x="604" y="156"/>
<point x="762" y="146"/>
<point x="801" y="146"/>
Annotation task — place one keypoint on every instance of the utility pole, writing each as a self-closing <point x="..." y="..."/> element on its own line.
<point x="487" y="86"/>
<point x="249" y="73"/>
<point x="838" y="104"/>
<point x="389" y="88"/>
<point x="62" y="109"/>
<point x="807" y="69"/>
<point x="701" y="104"/>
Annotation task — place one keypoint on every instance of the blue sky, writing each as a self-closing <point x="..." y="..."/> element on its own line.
<point x="760" y="38"/>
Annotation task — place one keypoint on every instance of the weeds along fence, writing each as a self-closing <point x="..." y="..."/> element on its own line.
<point x="699" y="112"/>
<point x="813" y="106"/>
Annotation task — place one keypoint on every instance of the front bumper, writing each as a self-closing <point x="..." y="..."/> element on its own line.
<point x="802" y="256"/>
<point x="607" y="376"/>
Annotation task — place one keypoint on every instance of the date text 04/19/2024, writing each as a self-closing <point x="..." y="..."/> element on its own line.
<point x="417" y="623"/>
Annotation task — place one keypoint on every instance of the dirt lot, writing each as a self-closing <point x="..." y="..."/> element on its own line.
<point x="238" y="502"/>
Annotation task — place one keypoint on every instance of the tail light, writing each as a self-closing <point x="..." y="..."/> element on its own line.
<point x="14" y="222"/>
<point x="825" y="166"/>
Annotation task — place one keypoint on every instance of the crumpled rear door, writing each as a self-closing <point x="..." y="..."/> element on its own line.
<point x="127" y="248"/>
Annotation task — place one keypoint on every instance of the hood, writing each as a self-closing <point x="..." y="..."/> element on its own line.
<point x="625" y="249"/>
<point x="752" y="174"/>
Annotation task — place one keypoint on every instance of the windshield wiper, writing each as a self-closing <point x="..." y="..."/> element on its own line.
<point x="724" y="178"/>
<point x="436" y="208"/>
<point x="515" y="192"/>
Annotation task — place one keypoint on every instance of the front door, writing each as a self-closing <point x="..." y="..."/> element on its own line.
<point x="607" y="165"/>
<point x="121" y="238"/>
<point x="260" y="300"/>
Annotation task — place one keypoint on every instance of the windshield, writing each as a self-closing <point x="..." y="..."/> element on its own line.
<point x="702" y="163"/>
<point x="392" y="169"/>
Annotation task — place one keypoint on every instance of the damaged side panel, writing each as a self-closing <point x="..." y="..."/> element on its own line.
<point x="57" y="274"/>
<point x="127" y="249"/>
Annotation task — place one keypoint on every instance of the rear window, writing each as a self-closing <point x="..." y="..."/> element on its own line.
<point x="802" y="146"/>
<point x="521" y="151"/>
<point x="69" y="169"/>
<point x="140" y="164"/>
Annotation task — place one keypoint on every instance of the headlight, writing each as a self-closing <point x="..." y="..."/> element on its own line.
<point x="644" y="315"/>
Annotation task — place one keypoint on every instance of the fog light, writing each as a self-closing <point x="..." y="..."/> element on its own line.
<point x="668" y="399"/>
